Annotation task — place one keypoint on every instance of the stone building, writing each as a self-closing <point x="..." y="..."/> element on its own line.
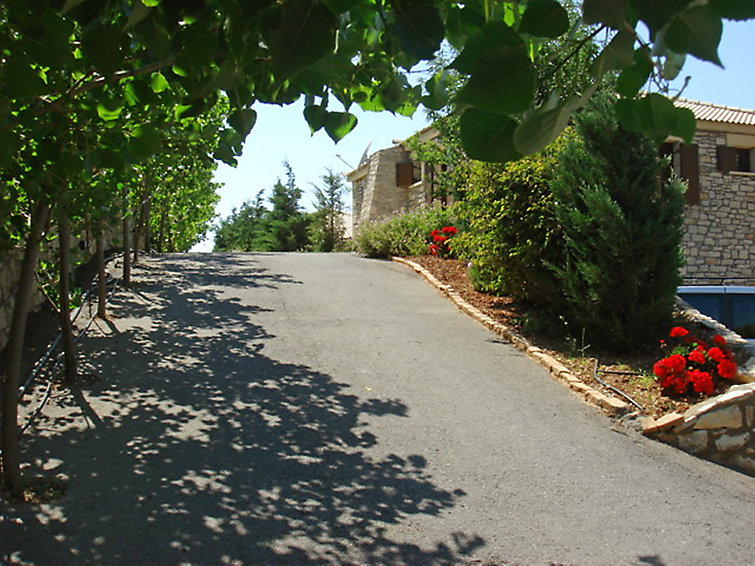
<point x="719" y="167"/>
<point x="719" y="214"/>
<point x="389" y="180"/>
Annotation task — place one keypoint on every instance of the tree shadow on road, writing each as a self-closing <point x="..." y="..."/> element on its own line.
<point x="205" y="450"/>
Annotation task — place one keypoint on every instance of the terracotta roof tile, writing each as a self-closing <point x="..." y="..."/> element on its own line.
<point x="716" y="113"/>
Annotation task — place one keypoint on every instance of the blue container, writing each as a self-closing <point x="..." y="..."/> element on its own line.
<point x="733" y="306"/>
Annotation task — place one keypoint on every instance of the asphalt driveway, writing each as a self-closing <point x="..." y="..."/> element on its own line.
<point x="328" y="409"/>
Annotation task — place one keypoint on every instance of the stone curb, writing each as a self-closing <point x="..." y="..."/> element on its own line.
<point x="610" y="404"/>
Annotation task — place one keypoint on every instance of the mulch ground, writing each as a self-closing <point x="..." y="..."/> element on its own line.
<point x="639" y="383"/>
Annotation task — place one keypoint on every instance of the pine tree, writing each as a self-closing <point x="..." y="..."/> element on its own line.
<point x="327" y="230"/>
<point x="622" y="230"/>
<point x="288" y="224"/>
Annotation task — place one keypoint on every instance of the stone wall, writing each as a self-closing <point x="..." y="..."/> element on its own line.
<point x="720" y="429"/>
<point x="719" y="238"/>
<point x="374" y="191"/>
<point x="10" y="267"/>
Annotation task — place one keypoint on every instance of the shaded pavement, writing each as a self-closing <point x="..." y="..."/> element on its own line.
<point x="326" y="409"/>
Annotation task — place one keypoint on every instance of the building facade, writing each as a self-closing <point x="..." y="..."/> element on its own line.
<point x="719" y="214"/>
<point x="719" y="168"/>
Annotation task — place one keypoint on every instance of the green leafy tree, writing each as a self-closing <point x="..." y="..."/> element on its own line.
<point x="245" y="229"/>
<point x="327" y="231"/>
<point x="90" y="86"/>
<point x="622" y="232"/>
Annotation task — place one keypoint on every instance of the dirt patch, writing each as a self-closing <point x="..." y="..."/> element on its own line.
<point x="631" y="374"/>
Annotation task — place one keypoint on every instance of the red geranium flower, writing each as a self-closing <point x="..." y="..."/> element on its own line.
<point x="727" y="369"/>
<point x="697" y="355"/>
<point x="450" y="230"/>
<point x="433" y="249"/>
<point x="678" y="332"/>
<point x="716" y="354"/>
<point x="720" y="340"/>
<point x="702" y="381"/>
<point x="676" y="363"/>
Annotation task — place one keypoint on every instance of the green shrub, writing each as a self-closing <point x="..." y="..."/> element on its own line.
<point x="512" y="228"/>
<point x="402" y="233"/>
<point x="622" y="232"/>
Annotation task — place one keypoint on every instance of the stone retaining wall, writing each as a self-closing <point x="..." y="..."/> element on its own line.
<point x="10" y="267"/>
<point x="718" y="429"/>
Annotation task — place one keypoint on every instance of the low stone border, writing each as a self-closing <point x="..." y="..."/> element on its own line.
<point x="612" y="405"/>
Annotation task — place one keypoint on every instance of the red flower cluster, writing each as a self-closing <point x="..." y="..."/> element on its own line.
<point x="693" y="363"/>
<point x="439" y="245"/>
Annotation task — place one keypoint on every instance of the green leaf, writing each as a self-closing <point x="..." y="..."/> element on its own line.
<point x="103" y="49"/>
<point x="109" y="114"/>
<point x="488" y="137"/>
<point x="609" y="12"/>
<point x="672" y="65"/>
<point x="243" y="121"/>
<point x="315" y="117"/>
<point x="8" y="145"/>
<point x="307" y="32"/>
<point x="657" y="15"/>
<point x="145" y="141"/>
<point x="199" y="45"/>
<point x="657" y="117"/>
<point x="544" y="18"/>
<point x="69" y="5"/>
<point x="734" y="9"/>
<point x="686" y="124"/>
<point x="502" y="77"/>
<point x="619" y="53"/>
<point x="21" y="80"/>
<point x="139" y="11"/>
<point x="419" y="28"/>
<point x="697" y="31"/>
<point x="437" y="88"/>
<point x="159" y="83"/>
<point x="338" y="124"/>
<point x="632" y="78"/>
<point x="543" y="126"/>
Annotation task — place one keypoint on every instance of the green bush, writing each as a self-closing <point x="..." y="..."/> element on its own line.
<point x="512" y="228"/>
<point x="622" y="232"/>
<point x="402" y="233"/>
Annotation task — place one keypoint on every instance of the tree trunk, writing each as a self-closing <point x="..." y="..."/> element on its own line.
<point x="24" y="294"/>
<point x="126" y="247"/>
<point x="66" y="329"/>
<point x="101" y="277"/>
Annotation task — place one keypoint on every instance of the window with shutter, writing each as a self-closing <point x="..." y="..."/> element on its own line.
<point x="735" y="159"/>
<point x="404" y="174"/>
<point x="689" y="170"/>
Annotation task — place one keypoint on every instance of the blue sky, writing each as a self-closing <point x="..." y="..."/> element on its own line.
<point x="281" y="132"/>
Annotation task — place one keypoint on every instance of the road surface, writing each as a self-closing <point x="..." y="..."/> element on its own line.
<point x="329" y="409"/>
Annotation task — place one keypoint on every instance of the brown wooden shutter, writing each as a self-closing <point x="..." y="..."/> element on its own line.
<point x="404" y="174"/>
<point x="727" y="158"/>
<point x="690" y="172"/>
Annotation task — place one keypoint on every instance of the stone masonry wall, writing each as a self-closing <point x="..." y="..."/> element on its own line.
<point x="719" y="238"/>
<point x="380" y="196"/>
<point x="721" y="429"/>
<point x="10" y="268"/>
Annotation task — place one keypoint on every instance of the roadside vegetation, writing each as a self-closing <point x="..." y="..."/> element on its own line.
<point x="113" y="114"/>
<point x="284" y="226"/>
<point x="578" y="248"/>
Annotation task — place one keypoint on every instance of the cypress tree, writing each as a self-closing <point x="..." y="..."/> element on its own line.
<point x="622" y="228"/>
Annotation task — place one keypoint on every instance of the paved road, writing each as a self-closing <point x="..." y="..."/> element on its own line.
<point x="327" y="409"/>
